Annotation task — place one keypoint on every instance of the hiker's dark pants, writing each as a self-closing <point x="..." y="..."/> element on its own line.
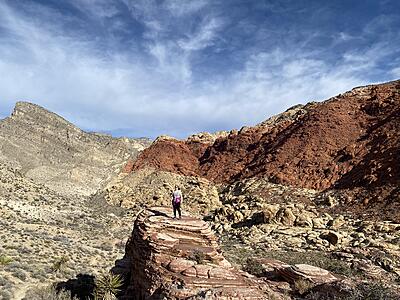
<point x="177" y="207"/>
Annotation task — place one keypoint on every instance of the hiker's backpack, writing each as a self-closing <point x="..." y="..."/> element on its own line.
<point x="177" y="198"/>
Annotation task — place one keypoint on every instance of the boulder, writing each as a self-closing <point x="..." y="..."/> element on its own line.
<point x="304" y="219"/>
<point x="307" y="272"/>
<point x="332" y="237"/>
<point x="319" y="223"/>
<point x="337" y="222"/>
<point x="286" y="216"/>
<point x="292" y="273"/>
<point x="269" y="212"/>
<point x="180" y="259"/>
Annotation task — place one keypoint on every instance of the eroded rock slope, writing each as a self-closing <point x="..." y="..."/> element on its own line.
<point x="47" y="148"/>
<point x="349" y="142"/>
<point x="180" y="259"/>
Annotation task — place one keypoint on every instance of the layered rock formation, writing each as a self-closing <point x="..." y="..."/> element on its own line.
<point x="47" y="148"/>
<point x="350" y="142"/>
<point x="180" y="259"/>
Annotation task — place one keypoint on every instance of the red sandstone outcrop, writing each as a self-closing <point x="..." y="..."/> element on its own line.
<point x="294" y="273"/>
<point x="350" y="141"/>
<point x="180" y="259"/>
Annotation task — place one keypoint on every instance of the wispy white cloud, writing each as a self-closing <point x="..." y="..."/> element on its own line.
<point x="96" y="8"/>
<point x="203" y="37"/>
<point x="183" y="8"/>
<point x="152" y="85"/>
<point x="396" y="72"/>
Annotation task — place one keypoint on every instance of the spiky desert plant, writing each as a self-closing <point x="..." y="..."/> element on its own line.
<point x="108" y="286"/>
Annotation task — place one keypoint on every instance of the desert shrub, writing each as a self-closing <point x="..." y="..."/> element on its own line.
<point x="362" y="291"/>
<point x="254" y="267"/>
<point x="5" y="295"/>
<point x="39" y="274"/>
<point x="302" y="286"/>
<point x="106" y="246"/>
<point x="12" y="266"/>
<point x="20" y="274"/>
<point x="107" y="286"/>
<point x="372" y="291"/>
<point x="3" y="281"/>
<point x="198" y="256"/>
<point x="59" y="264"/>
<point x="5" y="260"/>
<point x="48" y="293"/>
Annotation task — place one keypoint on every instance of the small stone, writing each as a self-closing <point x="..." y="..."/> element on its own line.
<point x="319" y="223"/>
<point x="337" y="222"/>
<point x="331" y="201"/>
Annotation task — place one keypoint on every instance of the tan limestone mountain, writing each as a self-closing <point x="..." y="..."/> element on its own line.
<point x="47" y="148"/>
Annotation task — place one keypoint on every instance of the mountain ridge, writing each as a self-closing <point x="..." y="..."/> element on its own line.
<point x="48" y="148"/>
<point x="348" y="142"/>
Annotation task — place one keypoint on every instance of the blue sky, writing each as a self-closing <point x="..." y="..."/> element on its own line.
<point x="145" y="68"/>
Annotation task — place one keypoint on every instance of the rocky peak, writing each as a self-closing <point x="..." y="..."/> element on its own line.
<point x="34" y="114"/>
<point x="49" y="149"/>
<point x="206" y="137"/>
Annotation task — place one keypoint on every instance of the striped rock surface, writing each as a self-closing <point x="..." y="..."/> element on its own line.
<point x="180" y="259"/>
<point x="292" y="273"/>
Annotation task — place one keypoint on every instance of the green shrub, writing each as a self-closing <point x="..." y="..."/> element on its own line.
<point x="5" y="260"/>
<point x="107" y="286"/>
<point x="198" y="256"/>
<point x="60" y="264"/>
<point x="254" y="267"/>
<point x="372" y="291"/>
<point x="21" y="274"/>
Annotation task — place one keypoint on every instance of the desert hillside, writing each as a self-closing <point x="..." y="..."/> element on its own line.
<point x="47" y="148"/>
<point x="350" y="143"/>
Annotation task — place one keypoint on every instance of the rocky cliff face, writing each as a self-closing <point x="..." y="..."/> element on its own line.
<point x="180" y="259"/>
<point x="47" y="148"/>
<point x="168" y="258"/>
<point x="348" y="142"/>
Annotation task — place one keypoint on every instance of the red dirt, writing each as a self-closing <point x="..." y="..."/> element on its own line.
<point x="173" y="156"/>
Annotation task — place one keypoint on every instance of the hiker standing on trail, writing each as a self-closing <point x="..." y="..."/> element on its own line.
<point x="176" y="201"/>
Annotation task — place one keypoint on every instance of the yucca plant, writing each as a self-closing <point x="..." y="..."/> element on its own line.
<point x="107" y="286"/>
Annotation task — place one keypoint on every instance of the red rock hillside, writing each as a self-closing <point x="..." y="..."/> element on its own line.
<point x="349" y="141"/>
